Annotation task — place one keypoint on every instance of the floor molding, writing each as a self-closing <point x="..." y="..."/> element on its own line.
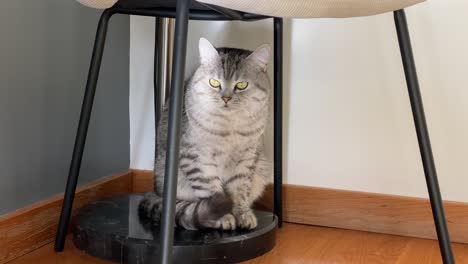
<point x="143" y="181"/>
<point x="34" y="226"/>
<point x="380" y="213"/>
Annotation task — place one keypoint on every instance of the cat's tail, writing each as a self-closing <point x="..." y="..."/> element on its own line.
<point x="192" y="215"/>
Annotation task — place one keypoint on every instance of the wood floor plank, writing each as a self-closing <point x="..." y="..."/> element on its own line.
<point x="32" y="227"/>
<point x="420" y="251"/>
<point x="302" y="244"/>
<point x="354" y="247"/>
<point x="70" y="255"/>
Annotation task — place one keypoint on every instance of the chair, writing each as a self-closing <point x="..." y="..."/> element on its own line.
<point x="247" y="10"/>
<point x="158" y="9"/>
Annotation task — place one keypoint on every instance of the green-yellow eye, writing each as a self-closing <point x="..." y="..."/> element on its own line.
<point x="215" y="83"/>
<point x="242" y="85"/>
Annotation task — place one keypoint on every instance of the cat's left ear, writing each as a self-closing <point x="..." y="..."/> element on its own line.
<point x="260" y="57"/>
<point x="208" y="53"/>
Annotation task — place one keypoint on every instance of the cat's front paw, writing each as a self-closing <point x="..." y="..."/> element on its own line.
<point x="246" y="220"/>
<point x="151" y="206"/>
<point x="227" y="222"/>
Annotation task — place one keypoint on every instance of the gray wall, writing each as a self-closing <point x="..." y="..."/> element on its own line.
<point x="45" y="48"/>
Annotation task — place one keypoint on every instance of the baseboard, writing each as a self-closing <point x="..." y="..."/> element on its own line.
<point x="143" y="181"/>
<point x="380" y="213"/>
<point x="32" y="227"/>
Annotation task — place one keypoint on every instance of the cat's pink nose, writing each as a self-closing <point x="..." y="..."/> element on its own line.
<point x="226" y="99"/>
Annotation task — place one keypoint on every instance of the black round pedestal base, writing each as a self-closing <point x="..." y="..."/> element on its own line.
<point x="111" y="229"/>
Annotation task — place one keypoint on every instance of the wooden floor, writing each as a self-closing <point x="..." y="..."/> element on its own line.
<point x="304" y="244"/>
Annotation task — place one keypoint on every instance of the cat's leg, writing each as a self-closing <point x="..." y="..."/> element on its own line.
<point x="201" y="176"/>
<point x="190" y="169"/>
<point x="151" y="204"/>
<point x="263" y="176"/>
<point x="203" y="179"/>
<point x="244" y="187"/>
<point x="200" y="173"/>
<point x="199" y="182"/>
<point x="239" y="189"/>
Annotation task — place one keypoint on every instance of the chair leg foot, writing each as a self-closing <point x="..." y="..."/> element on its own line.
<point x="423" y="137"/>
<point x="174" y="132"/>
<point x="80" y="139"/>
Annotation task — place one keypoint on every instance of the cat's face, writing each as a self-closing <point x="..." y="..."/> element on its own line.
<point x="230" y="80"/>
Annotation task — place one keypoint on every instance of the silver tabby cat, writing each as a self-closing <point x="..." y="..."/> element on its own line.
<point x="222" y="168"/>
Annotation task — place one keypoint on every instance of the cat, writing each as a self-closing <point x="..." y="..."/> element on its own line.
<point x="222" y="167"/>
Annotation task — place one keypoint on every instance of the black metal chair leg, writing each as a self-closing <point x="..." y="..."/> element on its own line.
<point x="157" y="62"/>
<point x="80" y="139"/>
<point x="156" y="80"/>
<point x="278" y="119"/>
<point x="423" y="137"/>
<point x="173" y="141"/>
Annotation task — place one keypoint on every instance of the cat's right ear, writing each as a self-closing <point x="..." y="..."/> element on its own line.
<point x="208" y="53"/>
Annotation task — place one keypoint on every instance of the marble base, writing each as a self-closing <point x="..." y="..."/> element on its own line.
<point x="112" y="229"/>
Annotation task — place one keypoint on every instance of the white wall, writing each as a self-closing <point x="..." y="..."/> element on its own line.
<point x="348" y="122"/>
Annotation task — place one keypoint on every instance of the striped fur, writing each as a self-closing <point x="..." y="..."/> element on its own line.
<point x="222" y="168"/>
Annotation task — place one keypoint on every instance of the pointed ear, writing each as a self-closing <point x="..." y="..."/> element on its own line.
<point x="208" y="53"/>
<point x="260" y="57"/>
